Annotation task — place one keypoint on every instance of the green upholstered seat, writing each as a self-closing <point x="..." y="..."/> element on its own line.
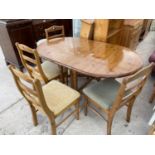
<point x="103" y="92"/>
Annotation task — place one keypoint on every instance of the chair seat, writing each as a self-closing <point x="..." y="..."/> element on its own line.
<point x="50" y="69"/>
<point x="40" y="41"/>
<point x="59" y="96"/>
<point x="103" y="92"/>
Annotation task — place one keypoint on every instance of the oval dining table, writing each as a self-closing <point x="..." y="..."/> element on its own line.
<point x="91" y="58"/>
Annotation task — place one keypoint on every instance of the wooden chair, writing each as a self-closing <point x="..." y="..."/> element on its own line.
<point x="57" y="32"/>
<point x="109" y="95"/>
<point x="45" y="72"/>
<point x="52" y="99"/>
<point x="152" y="130"/>
<point x="86" y="29"/>
<point x="152" y="95"/>
<point x="54" y="32"/>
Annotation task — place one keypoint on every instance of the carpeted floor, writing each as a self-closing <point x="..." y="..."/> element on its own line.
<point x="15" y="116"/>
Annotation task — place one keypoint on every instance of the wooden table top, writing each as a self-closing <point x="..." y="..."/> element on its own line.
<point x="96" y="59"/>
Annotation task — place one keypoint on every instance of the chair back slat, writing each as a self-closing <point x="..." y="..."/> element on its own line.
<point x="132" y="85"/>
<point x="27" y="89"/>
<point x="31" y="61"/>
<point x="140" y="74"/>
<point x="135" y="82"/>
<point x="54" y="32"/>
<point x="22" y="76"/>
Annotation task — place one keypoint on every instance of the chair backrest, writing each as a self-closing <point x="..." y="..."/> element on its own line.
<point x="31" y="61"/>
<point x="31" y="89"/>
<point x="86" y="29"/>
<point x="54" y="32"/>
<point x="131" y="86"/>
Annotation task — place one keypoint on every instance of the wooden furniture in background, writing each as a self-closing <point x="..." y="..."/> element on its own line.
<point x="45" y="72"/>
<point x="12" y="31"/>
<point x="145" y="28"/>
<point x="28" y="32"/>
<point x="86" y="29"/>
<point x="54" y="32"/>
<point x="52" y="99"/>
<point x="131" y="33"/>
<point x="109" y="95"/>
<point x="91" y="58"/>
<point x="108" y="30"/>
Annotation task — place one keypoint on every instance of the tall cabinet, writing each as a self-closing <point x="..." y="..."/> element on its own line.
<point x="12" y="31"/>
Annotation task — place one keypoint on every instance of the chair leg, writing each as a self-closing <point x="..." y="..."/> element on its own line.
<point x="66" y="78"/>
<point x="62" y="74"/>
<point x="129" y="110"/>
<point x="53" y="128"/>
<point x="34" y="116"/>
<point x="86" y="107"/>
<point x="152" y="96"/>
<point x="109" y="124"/>
<point x="78" y="111"/>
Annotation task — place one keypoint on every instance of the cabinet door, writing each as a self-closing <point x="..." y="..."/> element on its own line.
<point x="22" y="33"/>
<point x="39" y="26"/>
<point x="67" y="26"/>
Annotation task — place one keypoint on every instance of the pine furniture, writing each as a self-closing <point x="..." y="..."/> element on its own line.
<point x="108" y="30"/>
<point x="131" y="33"/>
<point x="87" y="29"/>
<point x="45" y="71"/>
<point x="91" y="58"/>
<point x="54" y="31"/>
<point x="52" y="99"/>
<point x="145" y="28"/>
<point x="109" y="95"/>
<point x="152" y="124"/>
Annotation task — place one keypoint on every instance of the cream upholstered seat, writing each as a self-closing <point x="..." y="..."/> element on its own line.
<point x="52" y="99"/>
<point x="50" y="70"/>
<point x="40" y="41"/>
<point x="59" y="96"/>
<point x="103" y="92"/>
<point x="109" y="95"/>
<point x="45" y="71"/>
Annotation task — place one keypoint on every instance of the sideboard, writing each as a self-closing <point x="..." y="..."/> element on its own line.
<point x="25" y="31"/>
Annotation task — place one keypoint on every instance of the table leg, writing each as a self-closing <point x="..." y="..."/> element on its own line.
<point x="74" y="79"/>
<point x="62" y="74"/>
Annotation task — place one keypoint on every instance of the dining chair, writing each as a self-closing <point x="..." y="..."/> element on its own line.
<point x="54" y="31"/>
<point x="45" y="71"/>
<point x="57" y="32"/>
<point x="109" y="95"/>
<point x="52" y="99"/>
<point x="86" y="31"/>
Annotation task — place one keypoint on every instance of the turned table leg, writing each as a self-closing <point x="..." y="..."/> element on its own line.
<point x="74" y="79"/>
